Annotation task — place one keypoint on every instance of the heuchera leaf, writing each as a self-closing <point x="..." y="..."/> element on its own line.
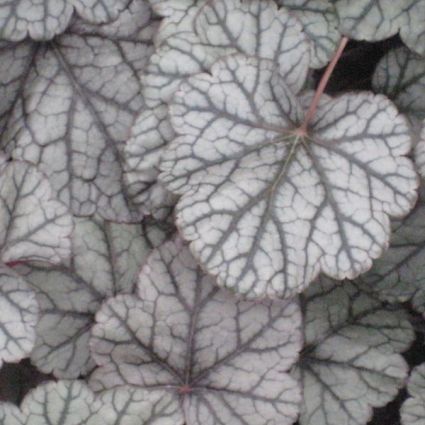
<point x="216" y="30"/>
<point x="320" y="24"/>
<point x="73" y="403"/>
<point x="267" y="208"/>
<point x="70" y="104"/>
<point x="33" y="224"/>
<point x="401" y="76"/>
<point x="412" y="411"/>
<point x="134" y="406"/>
<point x="176" y="14"/>
<point x="149" y="135"/>
<point x="375" y="20"/>
<point x="399" y="275"/>
<point x="63" y="402"/>
<point x="191" y="37"/>
<point x="42" y="20"/>
<point x="106" y="259"/>
<point x="350" y="361"/>
<point x="225" y="359"/>
<point x="18" y="317"/>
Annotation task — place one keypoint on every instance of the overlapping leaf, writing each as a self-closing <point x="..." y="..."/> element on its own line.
<point x="72" y="402"/>
<point x="350" y="361"/>
<point x="320" y="24"/>
<point x="191" y="37"/>
<point x="265" y="207"/>
<point x="413" y="409"/>
<point x="225" y="358"/>
<point x="68" y="106"/>
<point x="33" y="224"/>
<point x="401" y="76"/>
<point x="375" y="20"/>
<point x="106" y="260"/>
<point x="18" y="317"/>
<point x="151" y="132"/>
<point x="399" y="275"/>
<point x="44" y="19"/>
<point x="133" y="406"/>
<point x="210" y="30"/>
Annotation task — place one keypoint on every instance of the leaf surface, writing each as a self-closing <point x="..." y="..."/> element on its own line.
<point x="33" y="224"/>
<point x="399" y="275"/>
<point x="150" y="133"/>
<point x="70" y="104"/>
<point x="225" y="358"/>
<point x="18" y="317"/>
<point x="350" y="361"/>
<point x="210" y="30"/>
<point x="400" y="75"/>
<point x="320" y="24"/>
<point x="375" y="20"/>
<point x="43" y="20"/>
<point x="192" y="35"/>
<point x="133" y="406"/>
<point x="106" y="260"/>
<point x="73" y="403"/>
<point x="265" y="208"/>
<point x="412" y="411"/>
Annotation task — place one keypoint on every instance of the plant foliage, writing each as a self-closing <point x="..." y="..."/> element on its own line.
<point x="192" y="231"/>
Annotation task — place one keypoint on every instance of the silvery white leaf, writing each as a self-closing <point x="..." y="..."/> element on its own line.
<point x="44" y="19"/>
<point x="350" y="362"/>
<point x="226" y="359"/>
<point x="106" y="260"/>
<point x="266" y="208"/>
<point x="69" y="106"/>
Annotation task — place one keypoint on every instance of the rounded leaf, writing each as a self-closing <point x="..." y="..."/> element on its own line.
<point x="43" y="20"/>
<point x="106" y="260"/>
<point x="134" y="406"/>
<point x="74" y="126"/>
<point x="400" y="75"/>
<point x="412" y="411"/>
<point x="18" y="317"/>
<point x="150" y="133"/>
<point x="320" y="24"/>
<point x="267" y="209"/>
<point x="225" y="358"/>
<point x="375" y="20"/>
<point x="33" y="224"/>
<point x="350" y="361"/>
<point x="399" y="275"/>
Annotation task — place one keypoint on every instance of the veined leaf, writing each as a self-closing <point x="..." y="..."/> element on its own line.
<point x="401" y="76"/>
<point x="375" y="20"/>
<point x="73" y="403"/>
<point x="350" y="362"/>
<point x="33" y="224"/>
<point x="150" y="133"/>
<point x="267" y="208"/>
<point x="320" y="24"/>
<point x="106" y="259"/>
<point x="191" y="37"/>
<point x="399" y="275"/>
<point x="413" y="409"/>
<point x="42" y="20"/>
<point x="225" y="358"/>
<point x="18" y="317"/>
<point x="69" y="105"/>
